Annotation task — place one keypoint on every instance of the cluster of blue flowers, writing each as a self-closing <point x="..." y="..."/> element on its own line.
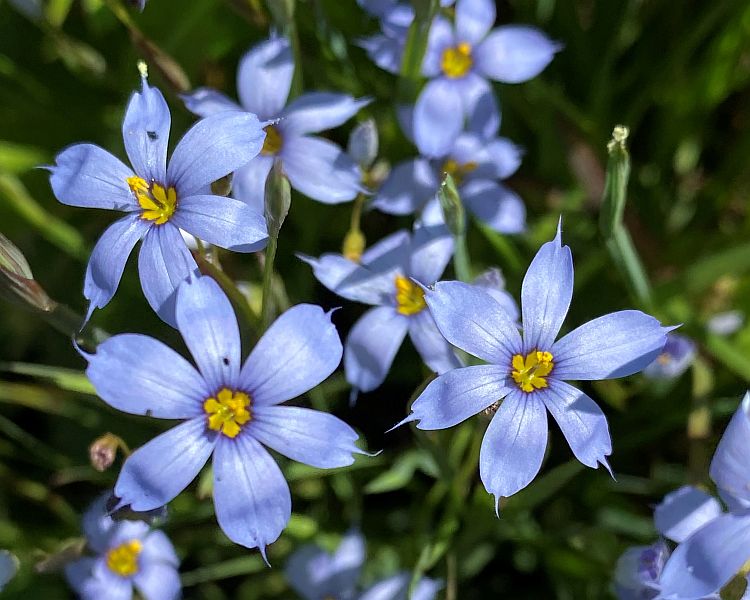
<point x="489" y="356"/>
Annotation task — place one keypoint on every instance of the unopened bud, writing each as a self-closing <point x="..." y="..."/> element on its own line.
<point x="103" y="450"/>
<point x="379" y="172"/>
<point x="278" y="199"/>
<point x="619" y="138"/>
<point x="363" y="144"/>
<point x="17" y="283"/>
<point x="453" y="209"/>
<point x="354" y="245"/>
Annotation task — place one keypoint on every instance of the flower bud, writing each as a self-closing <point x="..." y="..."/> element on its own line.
<point x="453" y="209"/>
<point x="17" y="282"/>
<point x="278" y="199"/>
<point x="363" y="144"/>
<point x="354" y="245"/>
<point x="103" y="450"/>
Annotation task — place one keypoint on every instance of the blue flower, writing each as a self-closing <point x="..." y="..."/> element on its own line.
<point x="158" y="199"/>
<point x="316" y="167"/>
<point x="715" y="545"/>
<point x="674" y="360"/>
<point x="8" y="568"/>
<point x="638" y="570"/>
<point x="127" y="554"/>
<point x="385" y="278"/>
<point x="526" y="375"/>
<point x="231" y="410"/>
<point x="476" y="164"/>
<point x="493" y="282"/>
<point x="397" y="588"/>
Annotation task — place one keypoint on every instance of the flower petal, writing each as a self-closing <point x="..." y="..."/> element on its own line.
<point x="297" y="352"/>
<point x="308" y="436"/>
<point x="514" y="445"/>
<point x="222" y="221"/>
<point x="397" y="588"/>
<point x="108" y="260"/>
<point x="685" y="511"/>
<point x="347" y="561"/>
<point x="317" y="111"/>
<point x="438" y="117"/>
<point x="91" y="581"/>
<point x="384" y="51"/>
<point x="440" y="37"/>
<point x="480" y="105"/>
<point x="372" y="345"/>
<point x="209" y="327"/>
<point x="408" y="188"/>
<point x="159" y="470"/>
<point x="158" y="581"/>
<point x="674" y="359"/>
<point x="474" y="18"/>
<point x="457" y="395"/>
<point x="157" y="547"/>
<point x="391" y="250"/>
<point x="212" y="148"/>
<point x="435" y="351"/>
<point x="141" y="376"/>
<point x="206" y="101"/>
<point x="614" y="345"/>
<point x="431" y="251"/>
<point x="251" y="496"/>
<point x="320" y="169"/>
<point x="581" y="420"/>
<point x="352" y="281"/>
<point x="545" y="295"/>
<point x="264" y="77"/>
<point x="85" y="175"/>
<point x="474" y="321"/>
<point x="249" y="183"/>
<point x="164" y="262"/>
<point x="145" y="131"/>
<point x="730" y="468"/>
<point x="505" y="156"/>
<point x="514" y="53"/>
<point x="494" y="204"/>
<point x="708" y="559"/>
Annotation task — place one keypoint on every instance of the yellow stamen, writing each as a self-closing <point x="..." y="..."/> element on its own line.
<point x="531" y="373"/>
<point x="409" y="296"/>
<point x="123" y="560"/>
<point x="457" y="170"/>
<point x="664" y="358"/>
<point x="456" y="61"/>
<point x="158" y="204"/>
<point x="228" y="412"/>
<point x="272" y="143"/>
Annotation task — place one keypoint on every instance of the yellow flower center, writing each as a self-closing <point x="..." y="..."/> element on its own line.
<point x="228" y="412"/>
<point x="531" y="373"/>
<point x="457" y="170"/>
<point x="409" y="296"/>
<point x="664" y="358"/>
<point x="158" y="203"/>
<point x="272" y="143"/>
<point x="456" y="61"/>
<point x="123" y="560"/>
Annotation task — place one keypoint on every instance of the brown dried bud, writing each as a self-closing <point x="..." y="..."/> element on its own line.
<point x="17" y="282"/>
<point x="103" y="450"/>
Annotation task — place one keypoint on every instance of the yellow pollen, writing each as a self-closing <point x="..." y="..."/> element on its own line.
<point x="123" y="560"/>
<point x="409" y="296"/>
<point x="158" y="204"/>
<point x="228" y="412"/>
<point x="456" y="61"/>
<point x="664" y="358"/>
<point x="273" y="141"/>
<point x="531" y="373"/>
<point x="458" y="171"/>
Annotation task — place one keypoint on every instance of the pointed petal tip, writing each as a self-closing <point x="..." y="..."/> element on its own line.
<point x="409" y="419"/>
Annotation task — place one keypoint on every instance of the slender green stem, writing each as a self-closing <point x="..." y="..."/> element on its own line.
<point x="359" y="202"/>
<point x="267" y="304"/>
<point x="461" y="260"/>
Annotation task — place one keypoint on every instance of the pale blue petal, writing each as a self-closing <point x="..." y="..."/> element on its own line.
<point x="377" y="8"/>
<point x="708" y="559"/>
<point x="495" y="205"/>
<point x="145" y="131"/>
<point x="384" y="51"/>
<point x="97" y="524"/>
<point x="514" y="53"/>
<point x="85" y="175"/>
<point x="347" y="561"/>
<point x="435" y="351"/>
<point x="614" y="345"/>
<point x="431" y="251"/>
<point x="581" y="420"/>
<point x="308" y="436"/>
<point x="212" y="148"/>
<point x="438" y="117"/>
<point x="674" y="359"/>
<point x="504" y="155"/>
<point x="108" y="260"/>
<point x="480" y="105"/>
<point x="474" y="18"/>
<point x="320" y="169"/>
<point x="159" y="470"/>
<point x="91" y="580"/>
<point x="264" y="77"/>
<point x="251" y="496"/>
<point x="391" y="250"/>
<point x="471" y="319"/>
<point x="493" y="283"/>
<point x="459" y="394"/>
<point x="158" y="548"/>
<point x="158" y="581"/>
<point x="353" y="281"/>
<point x="685" y="511"/>
<point x="514" y="445"/>
<point x="164" y="262"/>
<point x="222" y="221"/>
<point x="545" y="295"/>
<point x="409" y="186"/>
<point x="206" y="101"/>
<point x="317" y="111"/>
<point x="249" y="183"/>
<point x="440" y="37"/>
<point x="372" y="345"/>
<point x="8" y="567"/>
<point x="209" y="327"/>
<point x="397" y="588"/>
<point x="140" y="375"/>
<point x="637" y="572"/>
<point x="297" y="352"/>
<point x="730" y="467"/>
